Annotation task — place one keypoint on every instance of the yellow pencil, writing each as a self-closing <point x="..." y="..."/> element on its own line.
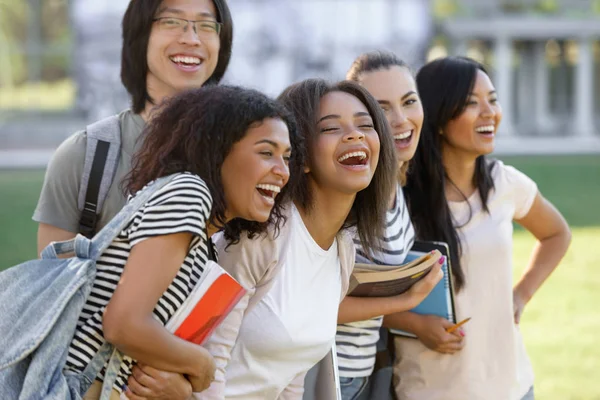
<point x="455" y="327"/>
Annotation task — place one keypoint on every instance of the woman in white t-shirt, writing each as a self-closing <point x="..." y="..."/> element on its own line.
<point x="391" y="82"/>
<point x="451" y="185"/>
<point x="297" y="275"/>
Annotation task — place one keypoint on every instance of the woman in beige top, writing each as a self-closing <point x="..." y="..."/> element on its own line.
<point x="456" y="194"/>
<point x="296" y="276"/>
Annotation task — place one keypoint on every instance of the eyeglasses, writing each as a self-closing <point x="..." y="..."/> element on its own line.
<point x="203" y="27"/>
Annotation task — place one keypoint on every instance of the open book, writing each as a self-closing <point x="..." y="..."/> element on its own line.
<point x="440" y="300"/>
<point x="214" y="296"/>
<point x="365" y="282"/>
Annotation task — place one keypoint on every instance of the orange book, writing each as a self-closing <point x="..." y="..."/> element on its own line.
<point x="214" y="296"/>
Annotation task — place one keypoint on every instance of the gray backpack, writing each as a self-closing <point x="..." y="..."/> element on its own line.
<point x="101" y="159"/>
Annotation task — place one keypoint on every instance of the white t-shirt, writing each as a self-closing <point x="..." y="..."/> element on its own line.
<point x="292" y="327"/>
<point x="493" y="365"/>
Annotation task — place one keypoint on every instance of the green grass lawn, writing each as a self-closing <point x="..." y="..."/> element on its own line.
<point x="572" y="183"/>
<point x="561" y="324"/>
<point x="19" y="191"/>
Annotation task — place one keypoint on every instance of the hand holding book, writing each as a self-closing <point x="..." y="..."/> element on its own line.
<point x="213" y="297"/>
<point x="421" y="289"/>
<point x="439" y="304"/>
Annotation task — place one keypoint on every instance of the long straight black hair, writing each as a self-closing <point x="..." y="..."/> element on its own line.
<point x="444" y="86"/>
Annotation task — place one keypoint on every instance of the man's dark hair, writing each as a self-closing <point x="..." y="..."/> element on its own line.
<point x="137" y="25"/>
<point x="195" y="131"/>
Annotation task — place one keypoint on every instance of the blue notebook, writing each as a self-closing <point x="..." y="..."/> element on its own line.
<point x="440" y="301"/>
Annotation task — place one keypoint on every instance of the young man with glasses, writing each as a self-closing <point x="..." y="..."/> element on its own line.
<point x="168" y="46"/>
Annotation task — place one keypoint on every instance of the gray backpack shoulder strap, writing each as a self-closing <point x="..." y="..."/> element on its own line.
<point x="102" y="153"/>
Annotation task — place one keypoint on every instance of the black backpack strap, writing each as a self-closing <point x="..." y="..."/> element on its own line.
<point x="101" y="159"/>
<point x="89" y="214"/>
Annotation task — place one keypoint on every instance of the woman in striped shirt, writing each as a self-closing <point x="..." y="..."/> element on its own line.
<point x="229" y="149"/>
<point x="390" y="81"/>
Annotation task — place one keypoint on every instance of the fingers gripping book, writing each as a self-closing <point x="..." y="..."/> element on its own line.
<point x="440" y="300"/>
<point x="365" y="282"/>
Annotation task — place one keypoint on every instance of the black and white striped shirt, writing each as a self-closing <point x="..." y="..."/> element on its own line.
<point x="356" y="341"/>
<point x="182" y="205"/>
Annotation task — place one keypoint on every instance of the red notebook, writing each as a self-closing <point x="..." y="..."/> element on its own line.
<point x="214" y="296"/>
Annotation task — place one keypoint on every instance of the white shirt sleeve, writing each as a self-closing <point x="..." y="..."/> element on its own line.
<point x="523" y="189"/>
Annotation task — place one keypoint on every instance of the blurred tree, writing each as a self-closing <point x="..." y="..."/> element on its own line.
<point x="444" y="8"/>
<point x="547" y="6"/>
<point x="513" y="6"/>
<point x="12" y="31"/>
<point x="57" y="38"/>
<point x="35" y="40"/>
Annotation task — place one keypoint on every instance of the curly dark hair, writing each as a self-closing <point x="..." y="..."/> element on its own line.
<point x="370" y="206"/>
<point x="137" y="25"/>
<point x="195" y="131"/>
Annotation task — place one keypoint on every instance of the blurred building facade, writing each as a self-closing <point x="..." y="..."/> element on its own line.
<point x="545" y="58"/>
<point x="59" y="59"/>
<point x="276" y="42"/>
